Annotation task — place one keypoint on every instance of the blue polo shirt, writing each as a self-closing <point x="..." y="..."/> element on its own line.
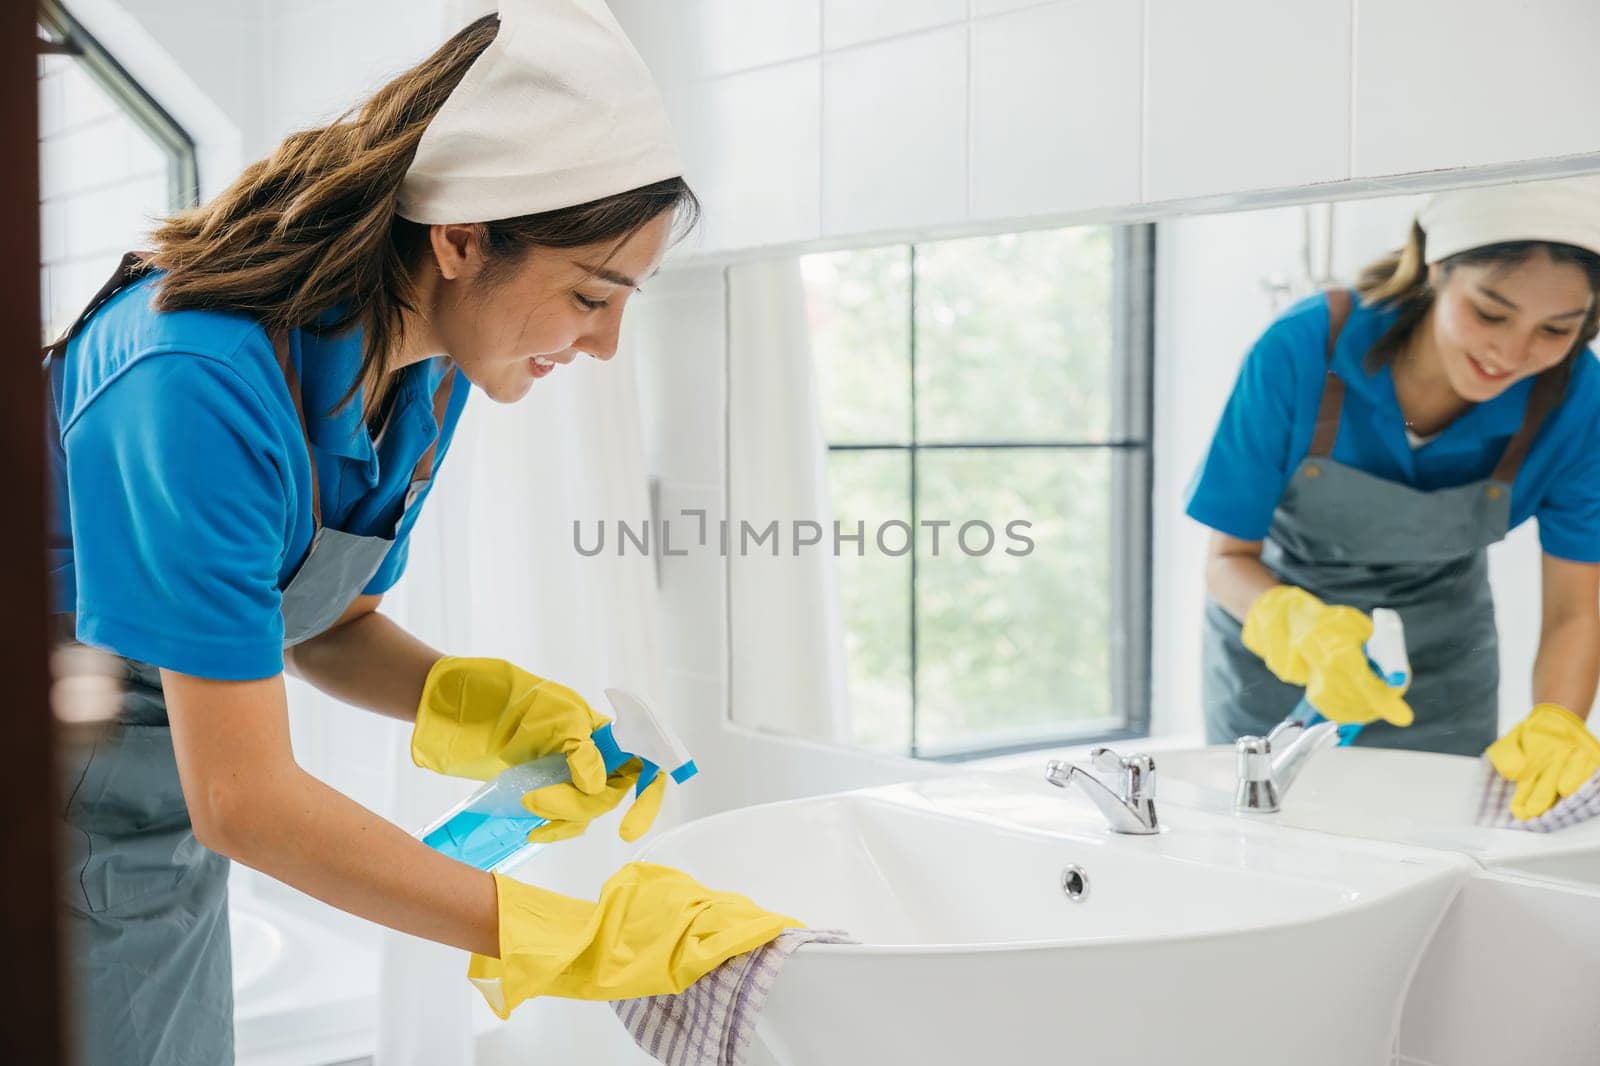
<point x="1267" y="426"/>
<point x="182" y="487"/>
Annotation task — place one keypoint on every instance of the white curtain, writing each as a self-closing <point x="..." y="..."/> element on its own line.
<point x="787" y="649"/>
<point x="493" y="571"/>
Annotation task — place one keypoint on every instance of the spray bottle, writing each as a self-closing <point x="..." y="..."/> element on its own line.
<point x="1386" y="654"/>
<point x="489" y="829"/>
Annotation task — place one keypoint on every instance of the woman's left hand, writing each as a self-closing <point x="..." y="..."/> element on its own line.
<point x="1549" y="754"/>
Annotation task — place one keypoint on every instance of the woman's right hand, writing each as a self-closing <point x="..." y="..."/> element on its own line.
<point x="1304" y="641"/>
<point x="654" y="931"/>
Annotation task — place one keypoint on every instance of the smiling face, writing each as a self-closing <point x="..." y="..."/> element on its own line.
<point x="1494" y="324"/>
<point x="509" y="325"/>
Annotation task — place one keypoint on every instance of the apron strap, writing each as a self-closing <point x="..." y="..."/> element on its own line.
<point x="1327" y="428"/>
<point x="280" y="346"/>
<point x="1546" y="394"/>
<point x="131" y="268"/>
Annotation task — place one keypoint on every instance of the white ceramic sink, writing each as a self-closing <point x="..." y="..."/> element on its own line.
<point x="1408" y="797"/>
<point x="1218" y="940"/>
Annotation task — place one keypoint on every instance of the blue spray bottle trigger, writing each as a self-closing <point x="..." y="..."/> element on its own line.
<point x="605" y="739"/>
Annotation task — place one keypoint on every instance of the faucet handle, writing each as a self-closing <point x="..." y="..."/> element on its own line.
<point x="1137" y="772"/>
<point x="1253" y="756"/>
<point x="1105" y="760"/>
<point x="1256" y="789"/>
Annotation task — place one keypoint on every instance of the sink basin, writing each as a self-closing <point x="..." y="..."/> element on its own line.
<point x="1217" y="940"/>
<point x="1408" y="797"/>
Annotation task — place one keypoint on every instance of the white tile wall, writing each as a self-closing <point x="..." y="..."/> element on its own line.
<point x="994" y="7"/>
<point x="1232" y="96"/>
<point x="1462" y="82"/>
<point x="102" y="181"/>
<point x="116" y="218"/>
<point x="740" y="34"/>
<point x="761" y="143"/>
<point x="83" y="157"/>
<point x="52" y="233"/>
<point x="894" y="147"/>
<point x="1056" y="108"/>
<point x="1245" y="94"/>
<point x="847" y="22"/>
<point x="68" y="97"/>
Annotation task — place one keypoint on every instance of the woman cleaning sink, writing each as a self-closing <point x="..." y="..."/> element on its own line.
<point x="1375" y="444"/>
<point x="248" y="419"/>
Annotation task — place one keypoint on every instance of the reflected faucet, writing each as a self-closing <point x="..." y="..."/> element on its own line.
<point x="1269" y="765"/>
<point x="1133" y="809"/>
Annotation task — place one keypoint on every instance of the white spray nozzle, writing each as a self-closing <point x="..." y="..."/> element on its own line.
<point x="1386" y="648"/>
<point x="642" y="732"/>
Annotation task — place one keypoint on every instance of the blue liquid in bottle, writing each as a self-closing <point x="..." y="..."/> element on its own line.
<point x="492" y="825"/>
<point x="482" y="840"/>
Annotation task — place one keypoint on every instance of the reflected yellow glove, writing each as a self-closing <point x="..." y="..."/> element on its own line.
<point x="479" y="716"/>
<point x="1303" y="641"/>
<point x="569" y="810"/>
<point x="654" y="931"/>
<point x="1549" y="754"/>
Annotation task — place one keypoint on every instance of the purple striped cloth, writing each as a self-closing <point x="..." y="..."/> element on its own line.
<point x="1494" y="805"/>
<point x="711" y="1022"/>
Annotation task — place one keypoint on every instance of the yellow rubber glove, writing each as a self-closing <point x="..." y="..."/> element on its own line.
<point x="654" y="931"/>
<point x="479" y="716"/>
<point x="569" y="810"/>
<point x="1305" y="642"/>
<point x="1549" y="754"/>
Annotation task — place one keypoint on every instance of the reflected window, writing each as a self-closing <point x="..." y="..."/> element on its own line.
<point x="992" y="394"/>
<point x="110" y="162"/>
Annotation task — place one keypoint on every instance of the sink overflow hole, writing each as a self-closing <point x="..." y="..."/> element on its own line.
<point x="1075" y="883"/>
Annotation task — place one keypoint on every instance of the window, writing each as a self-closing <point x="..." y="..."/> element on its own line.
<point x="110" y="161"/>
<point x="993" y="395"/>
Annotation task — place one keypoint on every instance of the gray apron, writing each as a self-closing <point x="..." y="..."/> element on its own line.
<point x="1354" y="539"/>
<point x="146" y="904"/>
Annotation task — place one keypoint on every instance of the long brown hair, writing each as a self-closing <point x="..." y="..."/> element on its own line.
<point x="1400" y="279"/>
<point x="312" y="229"/>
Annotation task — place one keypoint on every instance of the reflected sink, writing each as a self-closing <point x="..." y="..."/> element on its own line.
<point x="1407" y="797"/>
<point x="1218" y="940"/>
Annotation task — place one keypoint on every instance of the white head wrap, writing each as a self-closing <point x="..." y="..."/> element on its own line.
<point x="559" y="110"/>
<point x="1564" y="211"/>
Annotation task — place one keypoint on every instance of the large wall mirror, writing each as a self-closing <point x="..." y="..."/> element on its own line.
<point x="975" y="484"/>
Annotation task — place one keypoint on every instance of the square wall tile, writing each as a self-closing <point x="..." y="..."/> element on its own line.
<point x="1451" y="83"/>
<point x="730" y="35"/>
<point x="847" y="22"/>
<point x="894" y="131"/>
<point x="756" y="156"/>
<point x="1055" y="108"/>
<point x="1245" y="94"/>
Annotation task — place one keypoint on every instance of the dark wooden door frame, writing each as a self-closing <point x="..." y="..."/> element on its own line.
<point x="31" y="1029"/>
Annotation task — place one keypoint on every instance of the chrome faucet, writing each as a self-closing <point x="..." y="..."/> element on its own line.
<point x="1130" y="810"/>
<point x="1269" y="765"/>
